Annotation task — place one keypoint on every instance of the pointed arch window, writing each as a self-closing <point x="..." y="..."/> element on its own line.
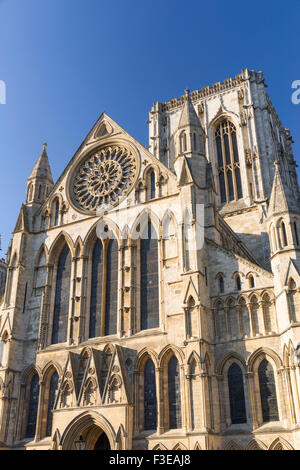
<point x="251" y="281"/>
<point x="238" y="282"/>
<point x="30" y="192"/>
<point x="267" y="392"/>
<point x="296" y="232"/>
<point x="149" y="278"/>
<point x="228" y="162"/>
<point x="283" y="234"/>
<point x="40" y="192"/>
<point x="40" y="274"/>
<point x="221" y="284"/>
<point x="52" y="396"/>
<point x="56" y="215"/>
<point x="152" y="185"/>
<point x="236" y="395"/>
<point x="293" y="300"/>
<point x="183" y="142"/>
<point x="175" y="421"/>
<point x="150" y="401"/>
<point x="33" y="406"/>
<point x="62" y="297"/>
<point x="194" y="141"/>
<point x="104" y="288"/>
<point x="111" y="304"/>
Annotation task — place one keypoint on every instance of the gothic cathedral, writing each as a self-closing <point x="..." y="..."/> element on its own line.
<point x="152" y="298"/>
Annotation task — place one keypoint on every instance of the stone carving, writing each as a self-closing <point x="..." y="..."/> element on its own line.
<point x="90" y="394"/>
<point x="104" y="177"/>
<point x="114" y="390"/>
<point x="66" y="396"/>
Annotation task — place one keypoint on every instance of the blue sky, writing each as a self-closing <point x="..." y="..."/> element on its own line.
<point x="66" y="61"/>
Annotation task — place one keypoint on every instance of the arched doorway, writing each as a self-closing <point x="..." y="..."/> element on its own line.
<point x="102" y="443"/>
<point x="92" y="430"/>
<point x="94" y="438"/>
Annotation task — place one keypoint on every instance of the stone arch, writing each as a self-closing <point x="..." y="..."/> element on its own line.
<point x="29" y="372"/>
<point x="81" y="423"/>
<point x="78" y="246"/>
<point x="263" y="353"/>
<point x="230" y="356"/>
<point x="255" y="444"/>
<point x="197" y="446"/>
<point x="50" y="368"/>
<point x="167" y="352"/>
<point x="159" y="446"/>
<point x="91" y="236"/>
<point x="142" y="219"/>
<point x="194" y="356"/>
<point x="58" y="245"/>
<point x="143" y="356"/>
<point x="179" y="446"/>
<point x="56" y="440"/>
<point x="279" y="441"/>
<point x="42" y="250"/>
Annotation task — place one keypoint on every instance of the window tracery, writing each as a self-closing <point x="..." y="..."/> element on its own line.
<point x="228" y="162"/>
<point x="103" y="178"/>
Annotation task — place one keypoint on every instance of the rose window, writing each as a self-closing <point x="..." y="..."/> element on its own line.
<point x="104" y="178"/>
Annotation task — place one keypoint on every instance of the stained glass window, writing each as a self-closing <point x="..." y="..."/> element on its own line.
<point x="228" y="162"/>
<point x="174" y="394"/>
<point x="152" y="185"/>
<point x="268" y="392"/>
<point x="96" y="289"/>
<point x="221" y="285"/>
<point x="56" y="215"/>
<point x="238" y="283"/>
<point x="62" y="297"/>
<point x="52" y="396"/>
<point x="33" y="406"/>
<point x="150" y="403"/>
<point x="236" y="395"/>
<point x="149" y="280"/>
<point x="296" y="233"/>
<point x="111" y="304"/>
<point x="283" y="234"/>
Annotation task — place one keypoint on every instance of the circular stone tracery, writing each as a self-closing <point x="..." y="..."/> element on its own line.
<point x="104" y="178"/>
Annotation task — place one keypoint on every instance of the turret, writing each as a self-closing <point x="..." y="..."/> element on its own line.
<point x="189" y="142"/>
<point x="40" y="182"/>
<point x="283" y="220"/>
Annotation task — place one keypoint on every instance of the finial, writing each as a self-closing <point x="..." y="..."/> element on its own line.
<point x="187" y="92"/>
<point x="44" y="145"/>
<point x="276" y="164"/>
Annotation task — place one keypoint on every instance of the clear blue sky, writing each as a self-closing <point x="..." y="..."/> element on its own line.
<point x="66" y="61"/>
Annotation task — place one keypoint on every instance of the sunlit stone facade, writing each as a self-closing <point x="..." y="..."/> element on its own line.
<point x="153" y="294"/>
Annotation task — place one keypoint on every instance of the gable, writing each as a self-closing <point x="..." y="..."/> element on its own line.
<point x="103" y="170"/>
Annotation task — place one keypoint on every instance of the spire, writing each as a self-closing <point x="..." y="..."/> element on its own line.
<point x="42" y="168"/>
<point x="40" y="182"/>
<point x="188" y="114"/>
<point x="281" y="200"/>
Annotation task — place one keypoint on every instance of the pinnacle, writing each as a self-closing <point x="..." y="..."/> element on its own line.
<point x="42" y="168"/>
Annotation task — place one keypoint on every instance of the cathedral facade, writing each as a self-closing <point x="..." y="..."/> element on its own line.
<point x="152" y="298"/>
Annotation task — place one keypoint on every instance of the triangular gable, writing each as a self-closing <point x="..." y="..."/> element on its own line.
<point x="185" y="173"/>
<point x="89" y="393"/>
<point x="292" y="271"/>
<point x="91" y="139"/>
<point x="6" y="326"/>
<point x="281" y="200"/>
<point x="22" y="221"/>
<point x="68" y="392"/>
<point x="191" y="291"/>
<point x="116" y="390"/>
